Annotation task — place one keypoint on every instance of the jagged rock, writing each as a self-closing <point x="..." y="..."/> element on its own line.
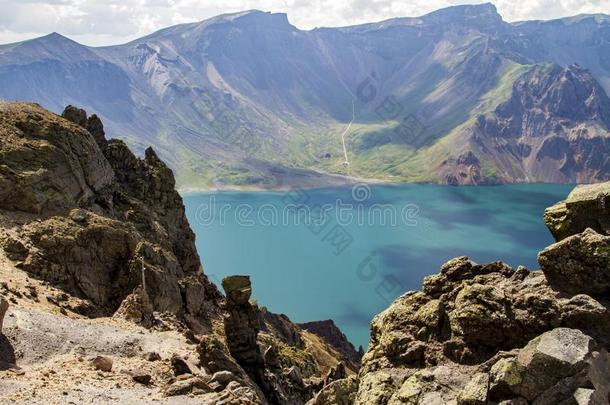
<point x="579" y="264"/>
<point x="587" y="206"/>
<point x="340" y="392"/>
<point x="92" y="124"/>
<point x="76" y="115"/>
<point x="52" y="165"/>
<point x="109" y="230"/>
<point x="136" y="308"/>
<point x="102" y="363"/>
<point x="125" y="228"/>
<point x="281" y="326"/>
<point x="3" y="308"/>
<point x="214" y="356"/>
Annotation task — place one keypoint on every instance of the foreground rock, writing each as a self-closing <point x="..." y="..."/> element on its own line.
<point x="99" y="262"/>
<point x="479" y="334"/>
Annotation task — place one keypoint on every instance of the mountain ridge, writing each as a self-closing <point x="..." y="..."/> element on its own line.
<point x="232" y="100"/>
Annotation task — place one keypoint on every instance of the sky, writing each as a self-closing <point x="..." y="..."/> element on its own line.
<point x="110" y="22"/>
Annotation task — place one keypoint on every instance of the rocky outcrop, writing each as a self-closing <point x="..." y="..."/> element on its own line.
<point x="479" y="334"/>
<point x="279" y="385"/>
<point x="337" y="339"/>
<point x="242" y="327"/>
<point x="107" y="222"/>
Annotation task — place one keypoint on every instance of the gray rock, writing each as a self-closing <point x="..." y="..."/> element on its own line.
<point x="551" y="357"/>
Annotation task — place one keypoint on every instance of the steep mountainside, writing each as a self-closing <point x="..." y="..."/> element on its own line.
<point x="98" y="266"/>
<point x="490" y="334"/>
<point x="249" y="100"/>
<point x="555" y="127"/>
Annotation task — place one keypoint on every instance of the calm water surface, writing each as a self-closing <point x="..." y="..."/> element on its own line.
<point x="346" y="253"/>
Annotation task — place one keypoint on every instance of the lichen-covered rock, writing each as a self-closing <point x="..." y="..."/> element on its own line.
<point x="587" y="206"/>
<point x="467" y="319"/>
<point x="579" y="264"/>
<point x="475" y="391"/>
<point x="340" y="392"/>
<point x="110" y="222"/>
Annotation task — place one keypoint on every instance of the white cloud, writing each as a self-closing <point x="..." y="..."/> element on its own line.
<point x="104" y="22"/>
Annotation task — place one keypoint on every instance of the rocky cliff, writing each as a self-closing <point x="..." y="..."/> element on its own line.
<point x="102" y="291"/>
<point x="491" y="334"/>
<point x="553" y="128"/>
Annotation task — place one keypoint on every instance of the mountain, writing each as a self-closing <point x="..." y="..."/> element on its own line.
<point x="103" y="294"/>
<point x="249" y="100"/>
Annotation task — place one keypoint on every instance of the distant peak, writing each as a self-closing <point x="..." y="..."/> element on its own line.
<point x="485" y="13"/>
<point x="56" y="37"/>
<point x="253" y="17"/>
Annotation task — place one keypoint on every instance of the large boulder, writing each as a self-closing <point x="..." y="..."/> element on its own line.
<point x="579" y="264"/>
<point x="554" y="367"/>
<point x="587" y="206"/>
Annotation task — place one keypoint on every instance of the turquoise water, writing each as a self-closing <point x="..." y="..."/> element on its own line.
<point x="346" y="253"/>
